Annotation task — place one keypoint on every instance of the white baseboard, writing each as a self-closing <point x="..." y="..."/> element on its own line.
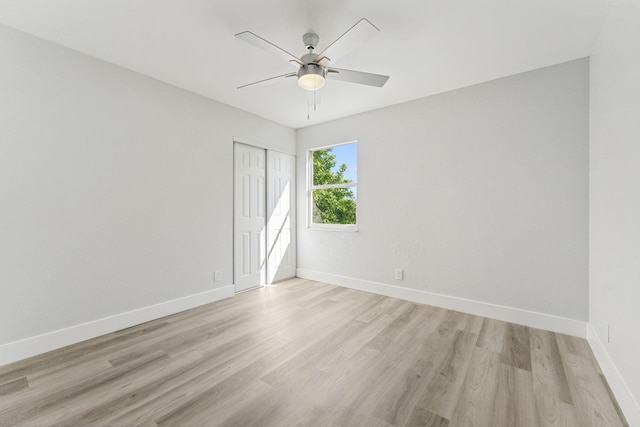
<point x="621" y="391"/>
<point x="513" y="315"/>
<point x="32" y="346"/>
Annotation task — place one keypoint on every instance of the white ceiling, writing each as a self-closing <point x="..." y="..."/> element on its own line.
<point x="426" y="46"/>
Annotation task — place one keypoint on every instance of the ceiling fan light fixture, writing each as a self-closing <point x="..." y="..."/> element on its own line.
<point x="311" y="77"/>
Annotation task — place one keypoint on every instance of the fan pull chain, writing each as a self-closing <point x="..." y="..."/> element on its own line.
<point x="315" y="102"/>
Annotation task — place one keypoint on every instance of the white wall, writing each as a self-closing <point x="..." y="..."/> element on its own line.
<point x="479" y="193"/>
<point x="116" y="190"/>
<point x="615" y="201"/>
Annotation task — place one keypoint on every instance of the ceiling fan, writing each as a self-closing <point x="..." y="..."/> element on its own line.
<point x="314" y="68"/>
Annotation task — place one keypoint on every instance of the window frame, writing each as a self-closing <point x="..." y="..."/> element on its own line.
<point x="311" y="188"/>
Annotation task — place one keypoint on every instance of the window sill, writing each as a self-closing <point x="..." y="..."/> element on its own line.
<point x="334" y="227"/>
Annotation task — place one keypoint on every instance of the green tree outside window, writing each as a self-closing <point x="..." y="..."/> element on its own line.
<point x="336" y="205"/>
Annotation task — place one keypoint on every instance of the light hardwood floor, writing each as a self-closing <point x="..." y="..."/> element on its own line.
<point x="311" y="354"/>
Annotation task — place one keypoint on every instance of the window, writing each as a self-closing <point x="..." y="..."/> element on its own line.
<point x="333" y="186"/>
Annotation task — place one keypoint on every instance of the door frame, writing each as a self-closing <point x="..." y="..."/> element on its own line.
<point x="293" y="206"/>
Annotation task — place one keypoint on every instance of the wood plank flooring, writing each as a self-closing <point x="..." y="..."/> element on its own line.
<point x="303" y="353"/>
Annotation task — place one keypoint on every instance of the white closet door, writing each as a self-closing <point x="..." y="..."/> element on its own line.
<point x="281" y="261"/>
<point x="250" y="219"/>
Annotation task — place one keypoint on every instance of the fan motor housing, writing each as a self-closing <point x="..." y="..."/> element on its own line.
<point x="308" y="58"/>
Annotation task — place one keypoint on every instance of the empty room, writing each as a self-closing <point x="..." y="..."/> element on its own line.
<point x="339" y="213"/>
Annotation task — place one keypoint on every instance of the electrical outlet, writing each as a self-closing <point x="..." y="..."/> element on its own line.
<point x="399" y="274"/>
<point x="217" y="275"/>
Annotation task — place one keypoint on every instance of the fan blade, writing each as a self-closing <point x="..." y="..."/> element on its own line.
<point x="269" y="80"/>
<point x="352" y="38"/>
<point x="359" y="77"/>
<point x="265" y="44"/>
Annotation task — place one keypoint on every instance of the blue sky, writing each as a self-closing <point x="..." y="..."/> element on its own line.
<point x="347" y="154"/>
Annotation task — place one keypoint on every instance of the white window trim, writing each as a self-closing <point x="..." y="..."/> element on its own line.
<point x="311" y="188"/>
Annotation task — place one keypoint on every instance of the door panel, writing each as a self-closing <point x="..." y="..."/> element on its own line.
<point x="250" y="219"/>
<point x="281" y="251"/>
